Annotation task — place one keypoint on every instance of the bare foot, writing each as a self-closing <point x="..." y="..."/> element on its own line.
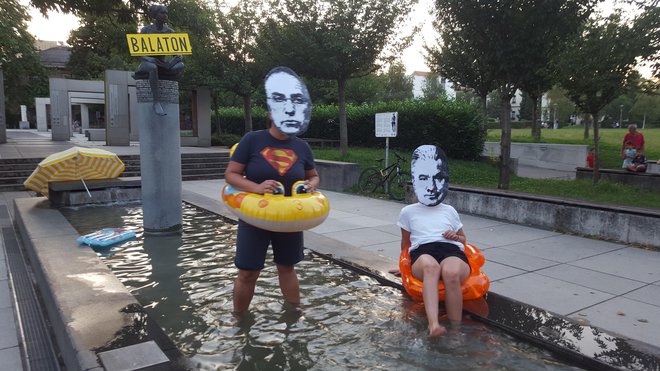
<point x="436" y="331"/>
<point x="158" y="109"/>
<point x="396" y="272"/>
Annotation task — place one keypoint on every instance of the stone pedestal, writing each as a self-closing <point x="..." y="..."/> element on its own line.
<point x="3" y="123"/>
<point x="160" y="158"/>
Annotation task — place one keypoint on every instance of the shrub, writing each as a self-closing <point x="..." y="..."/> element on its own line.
<point x="455" y="126"/>
<point x="225" y="139"/>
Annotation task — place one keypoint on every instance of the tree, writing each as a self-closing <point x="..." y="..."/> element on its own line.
<point x="100" y="44"/>
<point x="24" y="76"/>
<point x="526" y="108"/>
<point x="334" y="40"/>
<point x="398" y="85"/>
<point x="234" y="48"/>
<point x="598" y="66"/>
<point x="487" y="44"/>
<point x="432" y="88"/>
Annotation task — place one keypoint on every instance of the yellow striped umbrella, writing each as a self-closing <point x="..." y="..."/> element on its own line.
<point x="73" y="164"/>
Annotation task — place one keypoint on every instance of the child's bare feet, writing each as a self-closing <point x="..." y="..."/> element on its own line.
<point x="436" y="330"/>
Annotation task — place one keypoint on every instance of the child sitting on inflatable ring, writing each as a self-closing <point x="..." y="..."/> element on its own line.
<point x="433" y="233"/>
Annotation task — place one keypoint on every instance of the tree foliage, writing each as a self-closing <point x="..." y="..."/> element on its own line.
<point x="100" y="44"/>
<point x="24" y="76"/>
<point x="234" y="44"/>
<point x="487" y="44"/>
<point x="334" y="40"/>
<point x="598" y="66"/>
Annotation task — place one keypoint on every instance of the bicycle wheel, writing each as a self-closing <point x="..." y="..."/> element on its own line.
<point x="369" y="180"/>
<point x="397" y="185"/>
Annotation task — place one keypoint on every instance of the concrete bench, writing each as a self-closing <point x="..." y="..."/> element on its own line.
<point x="542" y="155"/>
<point x="95" y="134"/>
<point x="646" y="181"/>
<point x="73" y="193"/>
<point x="337" y="176"/>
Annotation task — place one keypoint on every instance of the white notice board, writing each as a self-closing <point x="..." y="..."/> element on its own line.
<point x="387" y="124"/>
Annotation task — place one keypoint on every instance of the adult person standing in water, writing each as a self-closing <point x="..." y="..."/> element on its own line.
<point x="261" y="159"/>
<point x="433" y="234"/>
<point x="154" y="68"/>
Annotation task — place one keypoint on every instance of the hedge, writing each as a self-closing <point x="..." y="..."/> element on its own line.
<point x="455" y="126"/>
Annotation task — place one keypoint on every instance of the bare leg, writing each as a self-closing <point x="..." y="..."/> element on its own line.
<point x="427" y="269"/>
<point x="153" y="82"/>
<point x="454" y="271"/>
<point x="289" y="284"/>
<point x="244" y="290"/>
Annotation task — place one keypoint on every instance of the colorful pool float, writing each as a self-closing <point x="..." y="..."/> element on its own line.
<point x="106" y="237"/>
<point x="475" y="286"/>
<point x="276" y="212"/>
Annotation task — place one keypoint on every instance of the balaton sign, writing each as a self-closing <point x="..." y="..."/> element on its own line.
<point x="159" y="44"/>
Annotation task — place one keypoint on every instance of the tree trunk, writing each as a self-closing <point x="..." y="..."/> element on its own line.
<point x="247" y="112"/>
<point x="586" y="127"/>
<point x="536" y="124"/>
<point x="483" y="101"/>
<point x="216" y="105"/>
<point x="596" y="176"/>
<point x="343" y="127"/>
<point x="505" y="142"/>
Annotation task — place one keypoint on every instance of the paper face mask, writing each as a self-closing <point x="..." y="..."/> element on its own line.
<point x="430" y="174"/>
<point x="289" y="103"/>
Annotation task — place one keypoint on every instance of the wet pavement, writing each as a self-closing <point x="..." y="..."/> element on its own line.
<point x="611" y="286"/>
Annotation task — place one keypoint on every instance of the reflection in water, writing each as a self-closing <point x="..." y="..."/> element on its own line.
<point x="349" y="320"/>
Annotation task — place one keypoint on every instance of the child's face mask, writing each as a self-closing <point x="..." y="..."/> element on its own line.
<point x="430" y="175"/>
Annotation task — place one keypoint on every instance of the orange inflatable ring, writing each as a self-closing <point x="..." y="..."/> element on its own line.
<point x="276" y="212"/>
<point x="475" y="286"/>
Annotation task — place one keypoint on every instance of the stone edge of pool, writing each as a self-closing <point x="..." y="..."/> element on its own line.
<point x="90" y="310"/>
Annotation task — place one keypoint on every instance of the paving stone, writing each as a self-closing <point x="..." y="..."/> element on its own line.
<point x="648" y="294"/>
<point x="11" y="359"/>
<point x="362" y="237"/>
<point x="133" y="357"/>
<point x="592" y="279"/>
<point x="507" y="234"/>
<point x="548" y="293"/>
<point x="563" y="248"/>
<point x="517" y="259"/>
<point x="8" y="335"/>
<point x="632" y="263"/>
<point x="6" y="298"/>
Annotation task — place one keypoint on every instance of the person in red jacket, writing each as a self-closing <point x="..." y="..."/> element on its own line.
<point x="635" y="137"/>
<point x="591" y="158"/>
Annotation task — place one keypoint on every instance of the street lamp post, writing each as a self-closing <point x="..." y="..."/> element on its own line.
<point x="554" y="120"/>
<point x="621" y="116"/>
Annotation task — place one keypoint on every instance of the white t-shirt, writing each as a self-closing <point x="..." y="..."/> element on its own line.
<point x="426" y="224"/>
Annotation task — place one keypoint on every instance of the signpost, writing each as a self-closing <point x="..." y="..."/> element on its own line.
<point x="386" y="127"/>
<point x="159" y="44"/>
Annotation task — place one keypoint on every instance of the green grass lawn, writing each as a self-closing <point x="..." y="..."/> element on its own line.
<point x="484" y="174"/>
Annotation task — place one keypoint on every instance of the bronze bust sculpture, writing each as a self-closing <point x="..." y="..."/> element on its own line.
<point x="153" y="68"/>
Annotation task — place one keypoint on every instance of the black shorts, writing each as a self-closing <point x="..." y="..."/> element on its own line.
<point x="439" y="250"/>
<point x="252" y="245"/>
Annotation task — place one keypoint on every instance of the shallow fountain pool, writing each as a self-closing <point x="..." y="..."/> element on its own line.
<point x="349" y="320"/>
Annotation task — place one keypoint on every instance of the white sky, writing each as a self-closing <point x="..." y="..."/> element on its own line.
<point x="57" y="27"/>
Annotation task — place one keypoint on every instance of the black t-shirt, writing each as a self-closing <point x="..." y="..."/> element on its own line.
<point x="266" y="157"/>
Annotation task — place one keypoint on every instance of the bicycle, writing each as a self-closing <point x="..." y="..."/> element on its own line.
<point x="393" y="176"/>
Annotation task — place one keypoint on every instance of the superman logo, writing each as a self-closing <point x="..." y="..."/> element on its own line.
<point x="280" y="159"/>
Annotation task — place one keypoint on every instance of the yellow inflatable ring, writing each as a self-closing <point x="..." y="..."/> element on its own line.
<point x="475" y="286"/>
<point x="276" y="212"/>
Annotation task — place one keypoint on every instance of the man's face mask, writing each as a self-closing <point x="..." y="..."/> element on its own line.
<point x="430" y="175"/>
<point x="288" y="100"/>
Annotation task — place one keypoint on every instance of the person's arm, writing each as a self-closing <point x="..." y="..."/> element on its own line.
<point x="312" y="180"/>
<point x="405" y="243"/>
<point x="405" y="239"/>
<point x="455" y="236"/>
<point x="234" y="176"/>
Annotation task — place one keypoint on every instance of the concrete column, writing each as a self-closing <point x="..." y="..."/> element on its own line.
<point x="203" y="117"/>
<point x="24" y="124"/>
<point x="59" y="109"/>
<point x="3" y="122"/>
<point x="133" y="118"/>
<point x="117" y="129"/>
<point x="42" y="116"/>
<point x="84" y="117"/>
<point x="160" y="158"/>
